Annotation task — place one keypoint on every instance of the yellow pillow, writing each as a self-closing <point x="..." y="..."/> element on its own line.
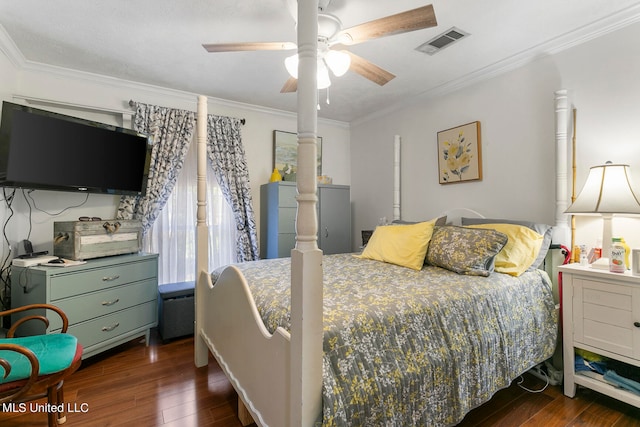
<point x="404" y="245"/>
<point x="521" y="249"/>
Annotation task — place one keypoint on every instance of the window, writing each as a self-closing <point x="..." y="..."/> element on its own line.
<point x="173" y="234"/>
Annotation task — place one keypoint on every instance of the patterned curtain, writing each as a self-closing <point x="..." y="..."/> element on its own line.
<point x="171" y="132"/>
<point x="226" y="153"/>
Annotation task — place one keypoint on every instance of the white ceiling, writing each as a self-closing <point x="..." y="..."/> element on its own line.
<point x="159" y="42"/>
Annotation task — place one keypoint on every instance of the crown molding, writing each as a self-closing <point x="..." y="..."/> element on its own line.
<point x="594" y="30"/>
<point x="10" y="50"/>
<point x="154" y="91"/>
<point x="15" y="56"/>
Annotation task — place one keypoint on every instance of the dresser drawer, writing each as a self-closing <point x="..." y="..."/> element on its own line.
<point x="68" y="285"/>
<point x="287" y="220"/>
<point x="89" y="306"/>
<point x="603" y="316"/>
<point x="287" y="196"/>
<point x="101" y="329"/>
<point x="286" y="242"/>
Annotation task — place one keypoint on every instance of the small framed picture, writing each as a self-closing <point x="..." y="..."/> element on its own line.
<point x="285" y="154"/>
<point x="460" y="154"/>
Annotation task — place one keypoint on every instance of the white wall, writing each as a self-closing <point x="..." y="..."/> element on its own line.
<point x="516" y="111"/>
<point x="8" y="74"/>
<point x="69" y="87"/>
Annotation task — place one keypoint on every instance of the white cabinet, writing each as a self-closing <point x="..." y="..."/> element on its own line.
<point x="108" y="301"/>
<point x="601" y="314"/>
<point x="278" y="208"/>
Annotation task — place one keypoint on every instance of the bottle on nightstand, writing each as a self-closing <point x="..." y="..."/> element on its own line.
<point x="584" y="260"/>
<point x="617" y="256"/>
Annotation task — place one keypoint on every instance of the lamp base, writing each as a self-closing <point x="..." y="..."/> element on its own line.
<point x="601" y="264"/>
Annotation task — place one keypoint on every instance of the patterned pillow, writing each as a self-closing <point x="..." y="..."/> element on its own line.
<point x="465" y="250"/>
<point x="521" y="250"/>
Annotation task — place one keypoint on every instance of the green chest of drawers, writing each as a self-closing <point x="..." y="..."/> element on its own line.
<point x="109" y="301"/>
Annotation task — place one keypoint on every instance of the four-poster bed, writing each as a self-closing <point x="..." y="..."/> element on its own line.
<point x="275" y="352"/>
<point x="251" y="335"/>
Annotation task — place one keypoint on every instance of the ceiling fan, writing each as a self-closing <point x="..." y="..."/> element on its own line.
<point x="332" y="41"/>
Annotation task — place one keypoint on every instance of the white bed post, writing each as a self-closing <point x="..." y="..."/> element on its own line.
<point x="306" y="258"/>
<point x="202" y="230"/>
<point x="561" y="230"/>
<point x="396" y="177"/>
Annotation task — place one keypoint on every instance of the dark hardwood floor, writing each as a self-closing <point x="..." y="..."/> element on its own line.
<point x="159" y="385"/>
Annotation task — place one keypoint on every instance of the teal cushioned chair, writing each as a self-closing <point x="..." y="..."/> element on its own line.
<point x="34" y="367"/>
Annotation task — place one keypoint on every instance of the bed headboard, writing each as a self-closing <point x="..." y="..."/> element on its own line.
<point x="455" y="215"/>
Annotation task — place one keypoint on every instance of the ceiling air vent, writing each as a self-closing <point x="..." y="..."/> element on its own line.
<point x="443" y="40"/>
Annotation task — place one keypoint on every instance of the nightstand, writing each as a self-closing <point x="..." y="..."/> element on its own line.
<point x="601" y="314"/>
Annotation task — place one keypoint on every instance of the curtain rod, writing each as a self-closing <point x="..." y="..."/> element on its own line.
<point x="69" y="105"/>
<point x="132" y="103"/>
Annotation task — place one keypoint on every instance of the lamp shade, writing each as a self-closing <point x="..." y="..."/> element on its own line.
<point x="338" y="62"/>
<point x="608" y="190"/>
<point x="323" y="80"/>
<point x="291" y="64"/>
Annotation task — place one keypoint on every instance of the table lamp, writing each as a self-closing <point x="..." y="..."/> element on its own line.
<point x="607" y="191"/>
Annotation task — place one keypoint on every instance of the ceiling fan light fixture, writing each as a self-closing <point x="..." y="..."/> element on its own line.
<point x="323" y="80"/>
<point x="291" y="64"/>
<point x="331" y="34"/>
<point x="323" y="75"/>
<point x="338" y="62"/>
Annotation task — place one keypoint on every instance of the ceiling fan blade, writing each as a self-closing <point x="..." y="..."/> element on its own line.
<point x="369" y="70"/>
<point x="248" y="46"/>
<point x="404" y="22"/>
<point x="290" y="85"/>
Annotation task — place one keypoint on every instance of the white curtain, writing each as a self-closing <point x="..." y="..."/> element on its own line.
<point x="173" y="232"/>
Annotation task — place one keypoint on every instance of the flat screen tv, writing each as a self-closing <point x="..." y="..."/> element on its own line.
<point x="50" y="151"/>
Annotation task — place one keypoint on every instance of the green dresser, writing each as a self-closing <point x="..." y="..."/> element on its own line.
<point x="109" y="301"/>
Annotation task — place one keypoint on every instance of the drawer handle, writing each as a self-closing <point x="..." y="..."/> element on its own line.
<point x="60" y="237"/>
<point x="110" y="328"/>
<point x="110" y="278"/>
<point x="111" y="228"/>
<point x="636" y="324"/>
<point x="108" y="303"/>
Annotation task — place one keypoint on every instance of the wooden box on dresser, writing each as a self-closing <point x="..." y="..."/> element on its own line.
<point x="601" y="314"/>
<point x="109" y="301"/>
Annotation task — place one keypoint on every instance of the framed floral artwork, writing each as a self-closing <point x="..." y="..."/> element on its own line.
<point x="459" y="154"/>
<point x="285" y="154"/>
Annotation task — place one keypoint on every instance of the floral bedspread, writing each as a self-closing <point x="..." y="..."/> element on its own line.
<point x="414" y="348"/>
